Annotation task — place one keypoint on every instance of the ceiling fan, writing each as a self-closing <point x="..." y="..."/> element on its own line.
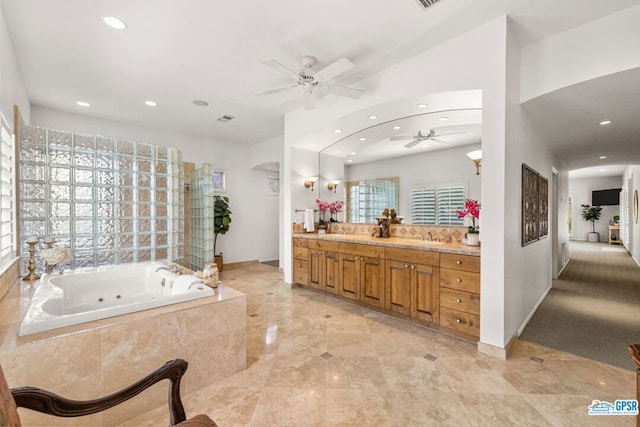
<point x="421" y="137"/>
<point x="309" y="82"/>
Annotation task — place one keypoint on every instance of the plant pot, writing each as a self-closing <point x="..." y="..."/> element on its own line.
<point x="473" y="239"/>
<point x="219" y="261"/>
<point x="593" y="237"/>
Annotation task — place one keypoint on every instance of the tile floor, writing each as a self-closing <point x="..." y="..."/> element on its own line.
<point x="316" y="361"/>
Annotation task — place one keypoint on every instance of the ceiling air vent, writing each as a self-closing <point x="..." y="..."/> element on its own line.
<point x="226" y="118"/>
<point x="427" y="3"/>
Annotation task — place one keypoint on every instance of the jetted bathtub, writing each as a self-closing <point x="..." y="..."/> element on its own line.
<point x="83" y="295"/>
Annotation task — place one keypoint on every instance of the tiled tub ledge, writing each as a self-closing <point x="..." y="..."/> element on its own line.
<point x="97" y="358"/>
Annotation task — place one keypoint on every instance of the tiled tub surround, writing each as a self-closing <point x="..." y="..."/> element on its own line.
<point x="97" y="358"/>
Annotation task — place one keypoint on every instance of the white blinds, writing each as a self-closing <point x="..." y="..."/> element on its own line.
<point x="7" y="220"/>
<point x="437" y="206"/>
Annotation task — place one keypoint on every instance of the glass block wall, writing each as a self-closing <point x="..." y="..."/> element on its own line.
<point x="110" y="201"/>
<point x="201" y="217"/>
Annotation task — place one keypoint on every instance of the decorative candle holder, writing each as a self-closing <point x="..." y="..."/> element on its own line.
<point x="32" y="261"/>
<point x="49" y="241"/>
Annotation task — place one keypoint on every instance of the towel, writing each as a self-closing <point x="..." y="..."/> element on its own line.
<point x="308" y="220"/>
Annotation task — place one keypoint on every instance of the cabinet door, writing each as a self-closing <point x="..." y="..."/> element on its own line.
<point x="349" y="285"/>
<point x="315" y="269"/>
<point x="332" y="272"/>
<point x="372" y="281"/>
<point x="398" y="279"/>
<point x="425" y="293"/>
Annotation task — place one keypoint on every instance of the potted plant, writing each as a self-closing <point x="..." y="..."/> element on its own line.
<point x="616" y="219"/>
<point x="592" y="213"/>
<point x="221" y="224"/>
<point x="471" y="209"/>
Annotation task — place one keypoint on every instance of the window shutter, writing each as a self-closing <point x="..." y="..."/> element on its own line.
<point x="449" y="201"/>
<point x="7" y="234"/>
<point x="423" y="206"/>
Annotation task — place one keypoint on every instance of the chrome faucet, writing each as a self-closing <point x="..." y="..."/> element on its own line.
<point x="196" y="282"/>
<point x="174" y="269"/>
<point x="428" y="233"/>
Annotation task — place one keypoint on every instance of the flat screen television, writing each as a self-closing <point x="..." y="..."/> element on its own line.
<point x="605" y="197"/>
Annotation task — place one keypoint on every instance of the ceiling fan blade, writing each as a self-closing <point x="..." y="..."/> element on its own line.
<point x="349" y="92"/>
<point x="440" y="140"/>
<point x="309" y="100"/>
<point x="277" y="90"/>
<point x="451" y="133"/>
<point x="401" y="137"/>
<point x="272" y="63"/>
<point x="333" y="69"/>
<point x="413" y="143"/>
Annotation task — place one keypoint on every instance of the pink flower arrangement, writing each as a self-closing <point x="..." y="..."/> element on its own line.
<point x="322" y="206"/>
<point x="335" y="207"/>
<point x="332" y="207"/>
<point x="472" y="209"/>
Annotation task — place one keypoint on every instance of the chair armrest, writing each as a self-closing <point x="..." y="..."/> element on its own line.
<point x="49" y="403"/>
<point x="634" y="350"/>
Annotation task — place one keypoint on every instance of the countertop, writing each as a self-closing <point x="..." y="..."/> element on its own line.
<point x="398" y="242"/>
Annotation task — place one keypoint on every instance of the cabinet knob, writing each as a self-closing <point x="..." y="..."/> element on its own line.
<point x="406" y="266"/>
<point x="413" y="266"/>
<point x="458" y="300"/>
<point x="458" y="280"/>
<point x="458" y="262"/>
<point x="458" y="321"/>
<point x="299" y="265"/>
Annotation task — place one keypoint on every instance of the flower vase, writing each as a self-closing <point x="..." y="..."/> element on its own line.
<point x="49" y="268"/>
<point x="473" y="239"/>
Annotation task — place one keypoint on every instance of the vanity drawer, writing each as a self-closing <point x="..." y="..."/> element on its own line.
<point x="460" y="262"/>
<point x="362" y="250"/>
<point x="301" y="253"/>
<point x="461" y="280"/>
<point x="300" y="243"/>
<point x="413" y="256"/>
<point x="459" y="300"/>
<point x="460" y="321"/>
<point x="301" y="272"/>
<point x="323" y="245"/>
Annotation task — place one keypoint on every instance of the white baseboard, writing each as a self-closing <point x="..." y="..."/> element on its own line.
<point x="268" y="259"/>
<point x="562" y="269"/>
<point x="533" y="311"/>
<point x="633" y="257"/>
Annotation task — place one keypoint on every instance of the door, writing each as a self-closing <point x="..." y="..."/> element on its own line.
<point x="398" y="278"/>
<point x="349" y="276"/>
<point x="332" y="272"/>
<point x="425" y="292"/>
<point x="315" y="269"/>
<point x="372" y="281"/>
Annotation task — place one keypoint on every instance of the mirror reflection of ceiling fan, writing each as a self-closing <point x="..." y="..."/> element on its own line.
<point x="420" y="137"/>
<point x="310" y="82"/>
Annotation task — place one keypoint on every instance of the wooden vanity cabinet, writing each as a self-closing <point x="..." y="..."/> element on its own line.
<point x="412" y="279"/>
<point x="324" y="270"/>
<point x="301" y="261"/>
<point x="361" y="273"/>
<point x="460" y="293"/>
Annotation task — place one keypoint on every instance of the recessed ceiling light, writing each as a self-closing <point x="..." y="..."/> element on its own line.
<point x="396" y="127"/>
<point x="443" y="119"/>
<point x="422" y="105"/>
<point x="114" y="22"/>
<point x="373" y="117"/>
<point x="337" y="131"/>
<point x="602" y="157"/>
<point x="350" y="160"/>
<point x="83" y="104"/>
<point x="363" y="138"/>
<point x="603" y="170"/>
<point x="200" y="103"/>
<point x="605" y="122"/>
<point x="353" y="153"/>
<point x="151" y="103"/>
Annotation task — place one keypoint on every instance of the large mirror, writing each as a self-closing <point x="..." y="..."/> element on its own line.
<point x="417" y="164"/>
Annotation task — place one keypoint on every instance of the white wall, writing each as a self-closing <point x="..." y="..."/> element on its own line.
<point x="12" y="89"/>
<point x="245" y="187"/>
<point x="475" y="60"/>
<point x="633" y="174"/>
<point x="605" y="46"/>
<point x="580" y="190"/>
<point x="450" y="166"/>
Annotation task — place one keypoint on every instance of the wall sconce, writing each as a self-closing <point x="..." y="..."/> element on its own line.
<point x="476" y="156"/>
<point x="332" y="185"/>
<point x="310" y="182"/>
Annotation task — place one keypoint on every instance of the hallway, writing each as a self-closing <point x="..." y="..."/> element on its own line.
<point x="593" y="309"/>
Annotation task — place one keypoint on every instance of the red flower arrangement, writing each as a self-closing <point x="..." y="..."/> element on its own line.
<point x="472" y="209"/>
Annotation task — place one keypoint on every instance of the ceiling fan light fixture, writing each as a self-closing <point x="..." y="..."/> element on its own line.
<point x="115" y="23"/>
